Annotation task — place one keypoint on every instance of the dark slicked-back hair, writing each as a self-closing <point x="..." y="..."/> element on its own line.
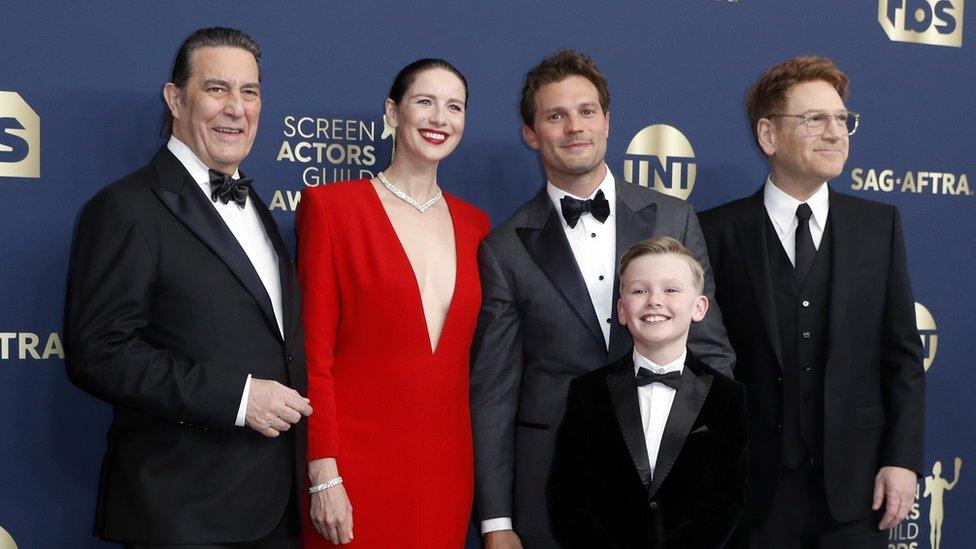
<point x="768" y="94"/>
<point x="404" y="79"/>
<point x="211" y="37"/>
<point x="557" y="68"/>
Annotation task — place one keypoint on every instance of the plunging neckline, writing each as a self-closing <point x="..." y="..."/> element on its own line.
<point x="431" y="348"/>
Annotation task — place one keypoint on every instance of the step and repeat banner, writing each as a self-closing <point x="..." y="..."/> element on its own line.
<point x="80" y="106"/>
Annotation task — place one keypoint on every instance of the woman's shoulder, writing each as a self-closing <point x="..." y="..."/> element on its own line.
<point x="467" y="212"/>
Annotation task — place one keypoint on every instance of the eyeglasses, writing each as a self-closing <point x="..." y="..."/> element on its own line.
<point x="816" y="121"/>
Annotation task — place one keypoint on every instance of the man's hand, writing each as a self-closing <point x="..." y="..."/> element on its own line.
<point x="273" y="408"/>
<point x="331" y="511"/>
<point x="502" y="539"/>
<point x="896" y="487"/>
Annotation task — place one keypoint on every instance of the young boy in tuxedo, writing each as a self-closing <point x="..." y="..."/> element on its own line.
<point x="652" y="449"/>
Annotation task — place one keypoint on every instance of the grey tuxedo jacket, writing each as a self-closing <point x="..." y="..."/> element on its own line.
<point x="537" y="330"/>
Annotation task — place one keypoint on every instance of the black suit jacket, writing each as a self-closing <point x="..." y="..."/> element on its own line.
<point x="874" y="384"/>
<point x="165" y="318"/>
<point x="600" y="492"/>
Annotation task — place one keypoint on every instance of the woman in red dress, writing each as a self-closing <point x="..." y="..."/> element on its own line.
<point x="391" y="297"/>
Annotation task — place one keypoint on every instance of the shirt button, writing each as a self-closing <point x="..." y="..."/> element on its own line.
<point x="601" y="277"/>
<point x="779" y="379"/>
<point x="592" y="235"/>
<point x="805" y="303"/>
<point x="805" y="335"/>
<point x="288" y="358"/>
<point x="608" y="321"/>
<point x="807" y="367"/>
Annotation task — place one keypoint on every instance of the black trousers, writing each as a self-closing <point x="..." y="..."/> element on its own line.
<point x="800" y="519"/>
<point x="285" y="535"/>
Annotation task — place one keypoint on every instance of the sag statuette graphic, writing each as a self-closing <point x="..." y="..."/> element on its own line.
<point x="933" y="22"/>
<point x="20" y="137"/>
<point x="661" y="157"/>
<point x="935" y="489"/>
<point x="927" y="331"/>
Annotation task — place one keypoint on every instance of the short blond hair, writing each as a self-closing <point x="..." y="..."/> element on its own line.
<point x="661" y="245"/>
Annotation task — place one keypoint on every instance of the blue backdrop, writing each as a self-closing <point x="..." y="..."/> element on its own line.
<point x="80" y="106"/>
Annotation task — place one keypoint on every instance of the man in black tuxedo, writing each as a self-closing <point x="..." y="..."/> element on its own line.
<point x="548" y="283"/>
<point x="651" y="452"/>
<point x="814" y="286"/>
<point x="183" y="313"/>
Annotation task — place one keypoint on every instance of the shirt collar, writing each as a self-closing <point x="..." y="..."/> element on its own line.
<point x="197" y="169"/>
<point x="781" y="207"/>
<point x="607" y="186"/>
<point x="676" y="365"/>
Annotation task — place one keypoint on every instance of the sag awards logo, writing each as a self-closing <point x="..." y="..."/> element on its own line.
<point x="934" y="22"/>
<point x="20" y="137"/>
<point x="933" y="491"/>
<point x="327" y="150"/>
<point x="886" y="180"/>
<point x="661" y="157"/>
<point x="927" y="331"/>
<point x="30" y="346"/>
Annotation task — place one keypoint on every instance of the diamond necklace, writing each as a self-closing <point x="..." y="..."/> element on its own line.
<point x="397" y="192"/>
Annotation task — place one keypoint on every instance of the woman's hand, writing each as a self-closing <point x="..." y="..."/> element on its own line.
<point x="331" y="511"/>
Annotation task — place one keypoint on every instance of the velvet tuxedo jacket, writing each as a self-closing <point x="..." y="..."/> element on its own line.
<point x="600" y="490"/>
<point x="874" y="384"/>
<point x="165" y="318"/>
<point x="537" y="330"/>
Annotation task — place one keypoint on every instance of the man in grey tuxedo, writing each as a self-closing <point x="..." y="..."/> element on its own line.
<point x="549" y="283"/>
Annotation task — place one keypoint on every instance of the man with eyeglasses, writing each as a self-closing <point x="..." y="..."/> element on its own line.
<point x="818" y="306"/>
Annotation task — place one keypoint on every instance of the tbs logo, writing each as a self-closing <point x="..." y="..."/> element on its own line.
<point x="20" y="137"/>
<point x="934" y="22"/>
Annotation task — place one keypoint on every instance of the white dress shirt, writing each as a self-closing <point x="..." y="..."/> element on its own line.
<point x="594" y="246"/>
<point x="655" y="403"/>
<point x="246" y="226"/>
<point x="781" y="208"/>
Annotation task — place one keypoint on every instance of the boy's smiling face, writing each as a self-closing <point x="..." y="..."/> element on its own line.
<point x="659" y="300"/>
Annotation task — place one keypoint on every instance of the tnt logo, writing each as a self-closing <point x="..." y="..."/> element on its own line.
<point x="20" y="137"/>
<point x="661" y="156"/>
<point x="935" y="22"/>
<point x="927" y="331"/>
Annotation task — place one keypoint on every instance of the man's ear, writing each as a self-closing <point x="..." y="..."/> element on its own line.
<point x="766" y="135"/>
<point x="528" y="134"/>
<point x="174" y="98"/>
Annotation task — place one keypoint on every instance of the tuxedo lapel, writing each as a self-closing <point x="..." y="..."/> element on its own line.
<point x="751" y="237"/>
<point x="285" y="267"/>
<point x="635" y="216"/>
<point x="545" y="240"/>
<point x="181" y="195"/>
<point x="844" y="222"/>
<point x="688" y="401"/>
<point x="623" y="394"/>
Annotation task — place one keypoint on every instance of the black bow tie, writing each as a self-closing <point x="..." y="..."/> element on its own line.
<point x="573" y="208"/>
<point x="225" y="188"/>
<point x="646" y="377"/>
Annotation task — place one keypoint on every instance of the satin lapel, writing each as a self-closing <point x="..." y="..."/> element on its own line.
<point x="286" y="269"/>
<point x="688" y="401"/>
<point x="751" y="237"/>
<point x="843" y="222"/>
<point x="181" y="195"/>
<point x="623" y="395"/>
<point x="635" y="217"/>
<point x="548" y="247"/>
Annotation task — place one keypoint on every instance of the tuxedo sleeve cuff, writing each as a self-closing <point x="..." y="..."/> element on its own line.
<point x="496" y="524"/>
<point x="242" y="409"/>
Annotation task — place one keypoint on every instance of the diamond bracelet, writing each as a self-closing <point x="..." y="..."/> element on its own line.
<point x="325" y="485"/>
